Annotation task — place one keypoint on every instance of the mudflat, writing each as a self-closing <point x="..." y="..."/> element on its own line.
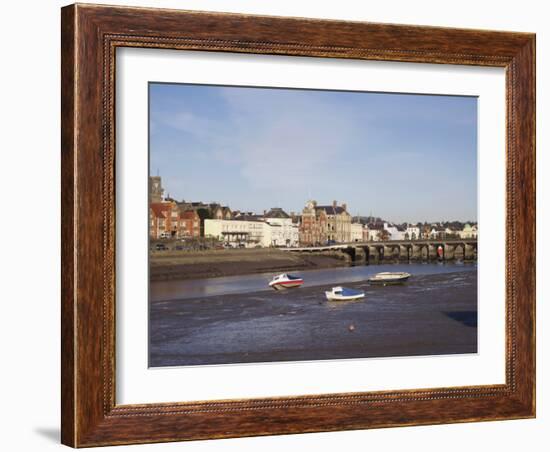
<point x="168" y="265"/>
<point x="431" y="314"/>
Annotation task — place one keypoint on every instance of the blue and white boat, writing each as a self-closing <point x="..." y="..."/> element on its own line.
<point x="344" y="294"/>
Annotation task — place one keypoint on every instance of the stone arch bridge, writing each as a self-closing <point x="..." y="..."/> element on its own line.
<point x="399" y="250"/>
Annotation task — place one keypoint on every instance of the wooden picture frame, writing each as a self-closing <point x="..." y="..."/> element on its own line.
<point x="90" y="36"/>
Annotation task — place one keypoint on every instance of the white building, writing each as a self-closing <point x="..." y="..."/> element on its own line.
<point x="371" y="233"/>
<point x="412" y="232"/>
<point x="396" y="233"/>
<point x="273" y="235"/>
<point x="468" y="232"/>
<point x="437" y="232"/>
<point x="254" y="232"/>
<point x="452" y="232"/>
<point x="283" y="231"/>
<point x="237" y="233"/>
<point x="356" y="232"/>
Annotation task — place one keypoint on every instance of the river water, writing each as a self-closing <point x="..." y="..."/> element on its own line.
<point x="240" y="319"/>
<point x="186" y="289"/>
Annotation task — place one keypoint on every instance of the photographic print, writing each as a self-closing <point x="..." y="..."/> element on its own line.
<point x="300" y="225"/>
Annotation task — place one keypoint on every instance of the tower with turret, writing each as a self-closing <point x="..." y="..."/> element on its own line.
<point x="156" y="192"/>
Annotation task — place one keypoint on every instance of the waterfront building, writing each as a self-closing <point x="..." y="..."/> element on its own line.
<point x="468" y="231"/>
<point x="164" y="220"/>
<point x="338" y="223"/>
<point x="247" y="216"/>
<point x="284" y="232"/>
<point x="322" y="224"/>
<point x="206" y="211"/>
<point x="295" y="231"/>
<point x="313" y="225"/>
<point x="273" y="235"/>
<point x="452" y="232"/>
<point x="396" y="232"/>
<point x="412" y="232"/>
<point x="356" y="232"/>
<point x="366" y="233"/>
<point x="425" y="231"/>
<point x="238" y="233"/>
<point x="374" y="232"/>
<point x="437" y="232"/>
<point x="157" y="223"/>
<point x="246" y="229"/>
<point x="190" y="224"/>
<point x="295" y="234"/>
<point x="219" y="212"/>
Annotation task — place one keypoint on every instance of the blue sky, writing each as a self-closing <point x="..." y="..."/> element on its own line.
<point x="398" y="156"/>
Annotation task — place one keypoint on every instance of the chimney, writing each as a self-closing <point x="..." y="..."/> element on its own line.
<point x="334" y="203"/>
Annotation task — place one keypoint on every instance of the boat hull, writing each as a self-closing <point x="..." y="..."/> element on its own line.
<point x="284" y="285"/>
<point x="344" y="294"/>
<point x="331" y="297"/>
<point x="388" y="281"/>
<point x="389" y="278"/>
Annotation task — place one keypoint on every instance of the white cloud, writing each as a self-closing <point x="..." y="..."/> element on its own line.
<point x="286" y="139"/>
<point x="280" y="140"/>
<point x="189" y="122"/>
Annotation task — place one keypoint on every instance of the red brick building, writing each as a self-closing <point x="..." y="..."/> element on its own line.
<point x="313" y="225"/>
<point x="190" y="224"/>
<point x="164" y="220"/>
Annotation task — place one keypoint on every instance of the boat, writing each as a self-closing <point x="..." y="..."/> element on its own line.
<point x="285" y="281"/>
<point x="344" y="294"/>
<point x="389" y="278"/>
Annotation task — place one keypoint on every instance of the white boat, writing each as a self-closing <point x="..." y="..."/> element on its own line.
<point x="285" y="281"/>
<point x="389" y="277"/>
<point x="344" y="294"/>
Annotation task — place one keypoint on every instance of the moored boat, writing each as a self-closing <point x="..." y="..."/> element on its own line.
<point x="285" y="281"/>
<point x="389" y="277"/>
<point x="344" y="294"/>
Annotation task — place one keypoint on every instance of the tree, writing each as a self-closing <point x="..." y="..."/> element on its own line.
<point x="383" y="235"/>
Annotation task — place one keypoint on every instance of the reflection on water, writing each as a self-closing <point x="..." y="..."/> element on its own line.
<point x="187" y="289"/>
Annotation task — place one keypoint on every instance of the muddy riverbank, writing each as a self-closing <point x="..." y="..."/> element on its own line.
<point x="432" y="314"/>
<point x="183" y="265"/>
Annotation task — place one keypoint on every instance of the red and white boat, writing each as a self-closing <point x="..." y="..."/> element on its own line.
<point x="285" y="281"/>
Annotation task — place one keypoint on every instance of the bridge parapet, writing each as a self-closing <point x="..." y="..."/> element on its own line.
<point x="399" y="250"/>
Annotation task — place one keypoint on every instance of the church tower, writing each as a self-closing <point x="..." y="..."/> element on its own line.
<point x="156" y="192"/>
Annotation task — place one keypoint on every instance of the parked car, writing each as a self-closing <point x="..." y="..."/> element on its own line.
<point x="161" y="247"/>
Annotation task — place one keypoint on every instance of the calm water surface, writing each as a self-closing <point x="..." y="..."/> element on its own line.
<point x="241" y="320"/>
<point x="186" y="289"/>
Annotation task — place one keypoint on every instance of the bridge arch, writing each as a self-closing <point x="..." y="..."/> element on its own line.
<point x="397" y="250"/>
<point x="391" y="251"/>
<point x="375" y="253"/>
<point x="460" y="251"/>
<point x="406" y="252"/>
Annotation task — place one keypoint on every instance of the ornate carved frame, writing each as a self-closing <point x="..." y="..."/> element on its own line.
<point x="90" y="36"/>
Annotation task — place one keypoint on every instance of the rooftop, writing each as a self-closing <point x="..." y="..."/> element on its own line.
<point x="276" y="212"/>
<point x="331" y="210"/>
